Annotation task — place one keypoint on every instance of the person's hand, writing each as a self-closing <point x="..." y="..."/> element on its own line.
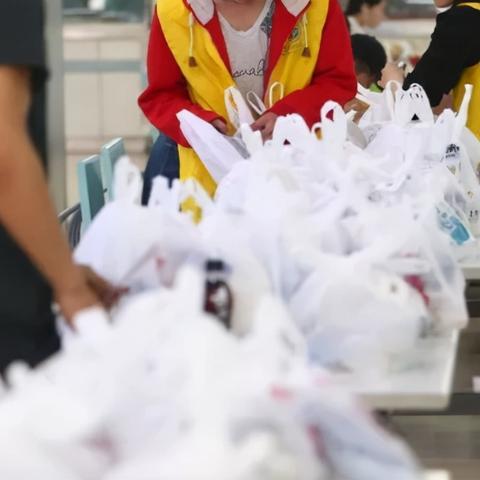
<point x="391" y="72"/>
<point x="445" y="103"/>
<point x="220" y="125"/>
<point x="105" y="291"/>
<point x="359" y="107"/>
<point x="74" y="298"/>
<point x="265" y="125"/>
<point x="85" y="289"/>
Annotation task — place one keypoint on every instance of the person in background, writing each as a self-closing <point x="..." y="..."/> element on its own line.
<point x="365" y="15"/>
<point x="35" y="261"/>
<point x="451" y="61"/>
<point x="370" y="59"/>
<point x="202" y="47"/>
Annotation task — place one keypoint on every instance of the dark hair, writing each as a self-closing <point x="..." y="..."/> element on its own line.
<point x="355" y="6"/>
<point x="369" y="55"/>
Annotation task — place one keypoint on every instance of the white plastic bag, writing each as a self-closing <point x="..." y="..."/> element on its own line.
<point x="217" y="152"/>
<point x="139" y="247"/>
<point x="383" y="317"/>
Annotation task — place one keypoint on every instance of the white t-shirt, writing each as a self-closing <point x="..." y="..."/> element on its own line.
<point x="248" y="51"/>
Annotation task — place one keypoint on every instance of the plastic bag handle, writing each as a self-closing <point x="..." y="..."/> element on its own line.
<point x="316" y="126"/>
<point x="160" y="191"/>
<point x="256" y="103"/>
<point x="275" y="85"/>
<point x="390" y="96"/>
<point x="338" y="126"/>
<point x="462" y="116"/>
<point x="127" y="182"/>
<point x="291" y="128"/>
<point x="237" y="109"/>
<point x="362" y="95"/>
<point x="253" y="140"/>
<point x="420" y="104"/>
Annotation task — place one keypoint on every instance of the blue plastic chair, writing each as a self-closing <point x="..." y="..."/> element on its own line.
<point x="109" y="155"/>
<point x="90" y="187"/>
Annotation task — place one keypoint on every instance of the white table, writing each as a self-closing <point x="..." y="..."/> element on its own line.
<point x="471" y="270"/>
<point x="425" y="385"/>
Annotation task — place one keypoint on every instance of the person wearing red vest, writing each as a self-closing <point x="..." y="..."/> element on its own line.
<point x="198" y="48"/>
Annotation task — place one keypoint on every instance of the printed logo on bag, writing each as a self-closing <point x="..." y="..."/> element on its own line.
<point x="452" y="150"/>
<point x="452" y="158"/>
<point x="473" y="216"/>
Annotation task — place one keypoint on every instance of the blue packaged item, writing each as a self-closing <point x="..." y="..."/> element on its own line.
<point x="452" y="224"/>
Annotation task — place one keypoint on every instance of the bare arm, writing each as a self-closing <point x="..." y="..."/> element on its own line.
<point x="26" y="210"/>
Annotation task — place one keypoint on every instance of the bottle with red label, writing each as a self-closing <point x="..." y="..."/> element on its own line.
<point x="218" y="295"/>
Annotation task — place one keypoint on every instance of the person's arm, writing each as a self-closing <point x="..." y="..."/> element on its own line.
<point x="26" y="210"/>
<point x="167" y="93"/>
<point x="440" y="68"/>
<point x="334" y="77"/>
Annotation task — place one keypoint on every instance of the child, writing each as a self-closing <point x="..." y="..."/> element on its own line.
<point x="452" y="59"/>
<point x="199" y="48"/>
<point x="370" y="59"/>
<point x="364" y="15"/>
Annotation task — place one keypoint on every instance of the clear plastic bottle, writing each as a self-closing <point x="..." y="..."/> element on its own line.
<point x="218" y="295"/>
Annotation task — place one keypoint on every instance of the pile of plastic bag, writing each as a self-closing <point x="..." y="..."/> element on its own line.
<point x="361" y="244"/>
<point x="165" y="393"/>
<point x="343" y="253"/>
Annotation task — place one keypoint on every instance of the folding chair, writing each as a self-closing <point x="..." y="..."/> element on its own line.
<point x="71" y="220"/>
<point x="110" y="154"/>
<point x="90" y="187"/>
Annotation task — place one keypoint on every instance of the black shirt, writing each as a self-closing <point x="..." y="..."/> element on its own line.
<point x="455" y="46"/>
<point x="22" y="44"/>
<point x="26" y="319"/>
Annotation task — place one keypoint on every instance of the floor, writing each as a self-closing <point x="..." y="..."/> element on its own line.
<point x="450" y="442"/>
<point x="444" y="443"/>
<point x="459" y="469"/>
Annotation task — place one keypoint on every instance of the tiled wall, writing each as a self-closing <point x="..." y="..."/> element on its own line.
<point x="104" y="74"/>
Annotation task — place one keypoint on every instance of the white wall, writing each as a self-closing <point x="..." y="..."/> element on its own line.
<point x="104" y="65"/>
